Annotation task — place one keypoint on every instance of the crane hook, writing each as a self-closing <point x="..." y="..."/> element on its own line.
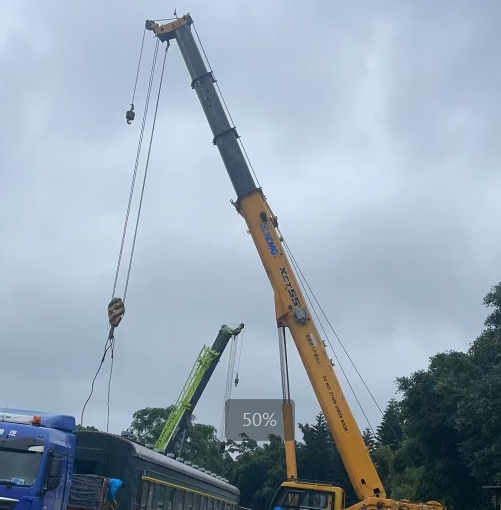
<point x="130" y="115"/>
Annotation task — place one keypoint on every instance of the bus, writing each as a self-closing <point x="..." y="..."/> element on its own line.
<point x="152" y="481"/>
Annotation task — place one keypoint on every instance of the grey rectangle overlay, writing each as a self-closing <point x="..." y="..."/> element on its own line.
<point x="255" y="417"/>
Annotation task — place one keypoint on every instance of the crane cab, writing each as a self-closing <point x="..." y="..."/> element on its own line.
<point x="298" y="495"/>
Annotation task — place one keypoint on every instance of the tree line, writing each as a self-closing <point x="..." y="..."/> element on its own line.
<point x="440" y="440"/>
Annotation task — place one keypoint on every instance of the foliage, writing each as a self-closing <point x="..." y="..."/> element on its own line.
<point x="449" y="416"/>
<point x="147" y="424"/>
<point x="86" y="427"/>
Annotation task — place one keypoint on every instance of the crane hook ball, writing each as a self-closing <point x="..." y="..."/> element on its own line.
<point x="130" y="115"/>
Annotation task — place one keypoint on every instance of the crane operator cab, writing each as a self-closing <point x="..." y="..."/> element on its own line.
<point x="307" y="496"/>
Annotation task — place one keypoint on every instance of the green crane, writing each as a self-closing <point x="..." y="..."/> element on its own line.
<point x="176" y="427"/>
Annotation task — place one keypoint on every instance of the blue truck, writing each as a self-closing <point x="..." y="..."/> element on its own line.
<point x="37" y="452"/>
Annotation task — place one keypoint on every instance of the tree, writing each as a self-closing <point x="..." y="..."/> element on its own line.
<point x="370" y="439"/>
<point x="318" y="445"/>
<point x="147" y="424"/>
<point x="389" y="432"/>
<point x="86" y="427"/>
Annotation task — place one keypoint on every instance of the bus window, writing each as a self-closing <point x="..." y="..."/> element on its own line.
<point x="179" y="500"/>
<point x="211" y="504"/>
<point x="172" y="497"/>
<point x="216" y="504"/>
<point x="196" y="502"/>
<point x="188" y="501"/>
<point x="144" y="493"/>
<point x="136" y="491"/>
<point x="151" y="495"/>
<point x="159" y="500"/>
<point x="203" y="505"/>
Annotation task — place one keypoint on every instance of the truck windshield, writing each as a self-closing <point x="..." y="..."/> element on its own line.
<point x="19" y="467"/>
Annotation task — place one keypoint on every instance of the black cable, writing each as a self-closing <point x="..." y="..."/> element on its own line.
<point x="106" y="348"/>
<point x="112" y="347"/>
<point x="145" y="174"/>
<point x="138" y="66"/>
<point x="138" y="155"/>
<point x="297" y="268"/>
<point x="339" y="340"/>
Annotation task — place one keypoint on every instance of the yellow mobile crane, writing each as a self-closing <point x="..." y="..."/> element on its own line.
<point x="291" y="308"/>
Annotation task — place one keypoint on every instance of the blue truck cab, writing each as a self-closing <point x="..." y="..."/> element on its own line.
<point x="37" y="452"/>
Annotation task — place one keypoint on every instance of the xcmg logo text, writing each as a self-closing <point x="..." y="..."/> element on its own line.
<point x="265" y="229"/>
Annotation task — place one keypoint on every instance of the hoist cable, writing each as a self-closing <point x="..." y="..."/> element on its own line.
<point x="138" y="66"/>
<point x="240" y="353"/>
<point x="342" y="346"/>
<point x="138" y="155"/>
<point x="145" y="174"/>
<point x="301" y="279"/>
<point x="228" y="387"/>
<point x="106" y="349"/>
<point x="109" y="345"/>
<point x="225" y="105"/>
<point x="112" y="347"/>
<point x="112" y="343"/>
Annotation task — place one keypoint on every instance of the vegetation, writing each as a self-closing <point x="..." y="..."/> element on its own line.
<point x="441" y="440"/>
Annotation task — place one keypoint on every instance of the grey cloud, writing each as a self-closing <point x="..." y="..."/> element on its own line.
<point x="372" y="129"/>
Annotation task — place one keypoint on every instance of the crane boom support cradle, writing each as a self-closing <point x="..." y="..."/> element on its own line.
<point x="291" y="307"/>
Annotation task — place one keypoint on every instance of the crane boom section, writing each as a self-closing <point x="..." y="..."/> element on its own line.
<point x="183" y="405"/>
<point x="291" y="308"/>
<point x="293" y="312"/>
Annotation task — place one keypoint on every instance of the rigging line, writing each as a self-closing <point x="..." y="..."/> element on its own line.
<point x="106" y="349"/>
<point x="225" y="105"/>
<point x="228" y="388"/>
<point x="296" y="266"/>
<point x="241" y="347"/>
<point x="112" y="348"/>
<point x="138" y="155"/>
<point x="108" y="344"/>
<point x="145" y="173"/>
<point x="138" y="66"/>
<point x="336" y="335"/>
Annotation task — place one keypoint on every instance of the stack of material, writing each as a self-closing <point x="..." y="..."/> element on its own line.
<point x="88" y="492"/>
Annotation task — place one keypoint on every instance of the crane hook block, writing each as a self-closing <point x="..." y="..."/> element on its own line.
<point x="116" y="310"/>
<point x="130" y="115"/>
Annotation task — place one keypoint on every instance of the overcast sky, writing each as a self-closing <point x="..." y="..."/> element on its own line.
<point x="374" y="130"/>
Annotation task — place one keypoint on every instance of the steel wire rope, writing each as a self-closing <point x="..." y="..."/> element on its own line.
<point x="302" y="277"/>
<point x="138" y="216"/>
<point x="138" y="66"/>
<point x="145" y="173"/>
<point x="228" y="387"/>
<point x="139" y="210"/>
<point x="109" y="345"/>
<point x="225" y="105"/>
<point x="136" y="164"/>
